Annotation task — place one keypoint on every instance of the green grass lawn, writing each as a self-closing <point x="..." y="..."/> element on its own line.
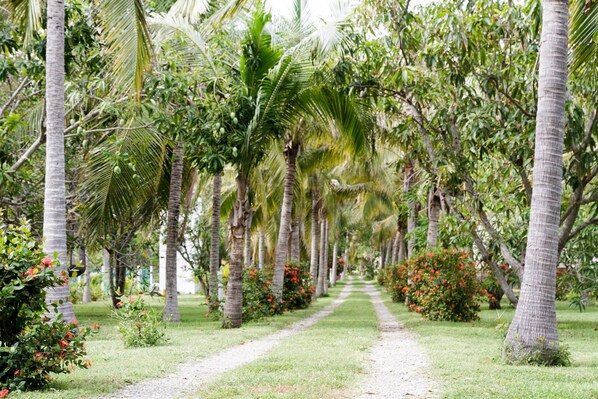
<point x="321" y="362"/>
<point x="195" y="337"/>
<point x="466" y="356"/>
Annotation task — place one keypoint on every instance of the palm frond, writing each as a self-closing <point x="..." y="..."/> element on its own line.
<point x="583" y="35"/>
<point x="28" y="15"/>
<point x="125" y="29"/>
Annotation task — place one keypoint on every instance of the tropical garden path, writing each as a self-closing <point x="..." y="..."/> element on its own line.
<point x="398" y="366"/>
<point x="191" y="376"/>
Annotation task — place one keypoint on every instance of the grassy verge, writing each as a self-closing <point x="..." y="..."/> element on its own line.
<point x="321" y="362"/>
<point x="466" y="356"/>
<point x="195" y="337"/>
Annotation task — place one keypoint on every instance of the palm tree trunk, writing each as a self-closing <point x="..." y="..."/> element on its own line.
<point x="534" y="328"/>
<point x="261" y="248"/>
<point x="412" y="216"/>
<point x="233" y="307"/>
<point x="326" y="253"/>
<point x="54" y="229"/>
<point x="346" y="265"/>
<point x="322" y="272"/>
<point x="395" y="248"/>
<point x="247" y="252"/>
<point x="313" y="261"/>
<point x="290" y="155"/>
<point x="86" y="279"/>
<point x="215" y="238"/>
<point x="105" y="271"/>
<point x="295" y="240"/>
<point x="334" y="263"/>
<point x="401" y="255"/>
<point x="171" y="307"/>
<point x="388" y="251"/>
<point x="433" y="219"/>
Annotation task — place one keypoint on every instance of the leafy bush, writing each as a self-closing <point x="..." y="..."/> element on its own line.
<point x="394" y="280"/>
<point x="444" y="286"/>
<point x="95" y="288"/>
<point x="258" y="301"/>
<point x="298" y="291"/>
<point x="138" y="324"/>
<point x="31" y="345"/>
<point x="493" y="289"/>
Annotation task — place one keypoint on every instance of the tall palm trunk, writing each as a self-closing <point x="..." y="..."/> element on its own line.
<point x="247" y="260"/>
<point x="412" y="205"/>
<point x="433" y="219"/>
<point x="295" y="240"/>
<point x="215" y="238"/>
<point x="86" y="277"/>
<point x="290" y="155"/>
<point x="382" y="251"/>
<point x="171" y="307"/>
<point x="395" y="248"/>
<point x="346" y="265"/>
<point x="105" y="271"/>
<point x="54" y="229"/>
<point x="326" y="253"/>
<point x="322" y="274"/>
<point x="315" y="239"/>
<point x="261" y="248"/>
<point x="388" y="251"/>
<point x="233" y="307"/>
<point x="402" y="251"/>
<point x="534" y="328"/>
<point x="334" y="263"/>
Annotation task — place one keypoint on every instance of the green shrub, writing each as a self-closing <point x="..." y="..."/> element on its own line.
<point x="258" y="301"/>
<point x="492" y="287"/>
<point x="444" y="286"/>
<point x="394" y="280"/>
<point x="31" y="345"/>
<point x="298" y="291"/>
<point x="138" y="324"/>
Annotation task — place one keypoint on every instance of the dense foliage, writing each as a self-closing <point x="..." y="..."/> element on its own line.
<point x="32" y="345"/>
<point x="444" y="286"/>
<point x="138" y="324"/>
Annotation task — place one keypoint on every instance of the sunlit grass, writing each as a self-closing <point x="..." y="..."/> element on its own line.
<point x="195" y="337"/>
<point x="321" y="362"/>
<point x="466" y="357"/>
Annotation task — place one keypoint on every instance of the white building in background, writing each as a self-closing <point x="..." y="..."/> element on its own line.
<point x="186" y="282"/>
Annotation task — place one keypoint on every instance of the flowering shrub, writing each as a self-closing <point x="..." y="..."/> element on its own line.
<point x="493" y="289"/>
<point x="258" y="301"/>
<point x="444" y="286"/>
<point x="298" y="291"/>
<point x="31" y="345"/>
<point x="138" y="324"/>
<point x="394" y="279"/>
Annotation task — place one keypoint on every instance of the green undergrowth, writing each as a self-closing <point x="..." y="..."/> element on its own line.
<point x="466" y="357"/>
<point x="321" y="362"/>
<point x="195" y="337"/>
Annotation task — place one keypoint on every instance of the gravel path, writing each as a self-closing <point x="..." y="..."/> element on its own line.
<point x="398" y="364"/>
<point x="192" y="376"/>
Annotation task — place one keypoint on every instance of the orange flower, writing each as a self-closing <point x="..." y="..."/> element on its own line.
<point x="47" y="262"/>
<point x="63" y="343"/>
<point x="87" y="364"/>
<point x="4" y="393"/>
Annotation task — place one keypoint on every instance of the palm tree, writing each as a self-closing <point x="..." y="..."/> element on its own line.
<point x="215" y="237"/>
<point x="54" y="193"/>
<point x="534" y="329"/>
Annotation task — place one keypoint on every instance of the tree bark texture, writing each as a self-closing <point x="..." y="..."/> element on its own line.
<point x="295" y="241"/>
<point x="247" y="259"/>
<point x="171" y="307"/>
<point x="233" y="307"/>
<point x="315" y="239"/>
<point x="534" y="327"/>
<point x="86" y="277"/>
<point x="215" y="237"/>
<point x="326" y="255"/>
<point x="54" y="229"/>
<point x="412" y="205"/>
<point x="261" y="248"/>
<point x="334" y="263"/>
<point x="290" y="154"/>
<point x="395" y="249"/>
<point x="322" y="273"/>
<point x="434" y="207"/>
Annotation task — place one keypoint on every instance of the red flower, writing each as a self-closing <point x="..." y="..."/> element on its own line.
<point x="63" y="343"/>
<point x="47" y="262"/>
<point x="4" y="393"/>
<point x="69" y="335"/>
<point x="75" y="322"/>
<point x="87" y="364"/>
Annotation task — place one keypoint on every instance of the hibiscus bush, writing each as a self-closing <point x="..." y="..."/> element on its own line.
<point x="258" y="301"/>
<point x="444" y="286"/>
<point x="31" y="345"/>
<point x="138" y="324"/>
<point x="394" y="280"/>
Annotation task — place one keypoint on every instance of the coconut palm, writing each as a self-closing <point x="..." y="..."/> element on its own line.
<point x="534" y="330"/>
